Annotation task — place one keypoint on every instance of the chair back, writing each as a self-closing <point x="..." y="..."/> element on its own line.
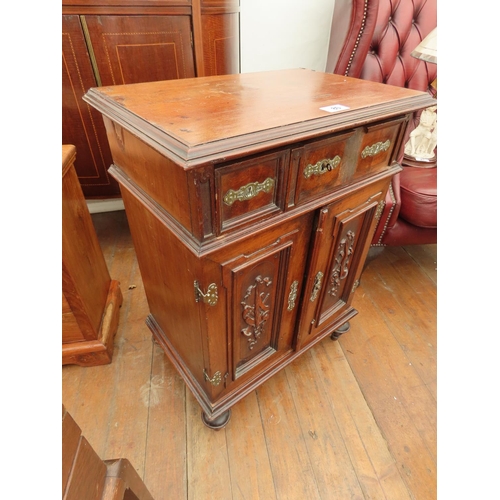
<point x="380" y="36"/>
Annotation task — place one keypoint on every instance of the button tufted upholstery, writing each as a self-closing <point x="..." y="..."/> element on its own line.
<point x="373" y="40"/>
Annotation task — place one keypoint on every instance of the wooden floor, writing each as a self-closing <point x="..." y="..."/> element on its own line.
<point x="351" y="419"/>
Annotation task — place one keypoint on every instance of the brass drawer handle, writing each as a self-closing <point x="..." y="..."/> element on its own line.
<point x="249" y="191"/>
<point x="322" y="166"/>
<point x="375" y="149"/>
<point x="317" y="286"/>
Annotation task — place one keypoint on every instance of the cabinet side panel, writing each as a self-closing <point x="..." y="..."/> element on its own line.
<point x="70" y="330"/>
<point x="86" y="278"/>
<point x="156" y="175"/>
<point x="168" y="271"/>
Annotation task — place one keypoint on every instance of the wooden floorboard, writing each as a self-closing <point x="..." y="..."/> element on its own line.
<point x="250" y="466"/>
<point x="352" y="419"/>
<point x="291" y="465"/>
<point x="166" y="464"/>
<point x="393" y="356"/>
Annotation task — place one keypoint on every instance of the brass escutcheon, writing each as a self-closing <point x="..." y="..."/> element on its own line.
<point x="322" y="166"/>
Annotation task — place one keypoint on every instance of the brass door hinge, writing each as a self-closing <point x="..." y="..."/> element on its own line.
<point x="216" y="379"/>
<point x="210" y="298"/>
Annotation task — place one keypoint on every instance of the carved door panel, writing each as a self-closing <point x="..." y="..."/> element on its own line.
<point x="341" y="242"/>
<point x="262" y="277"/>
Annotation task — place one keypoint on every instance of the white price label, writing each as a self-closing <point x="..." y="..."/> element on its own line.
<point x="334" y="107"/>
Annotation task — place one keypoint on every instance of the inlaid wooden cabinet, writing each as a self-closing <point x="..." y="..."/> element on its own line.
<point x="113" y="43"/>
<point x="252" y="200"/>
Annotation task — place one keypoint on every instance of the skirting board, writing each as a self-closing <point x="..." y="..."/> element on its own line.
<point x="100" y="206"/>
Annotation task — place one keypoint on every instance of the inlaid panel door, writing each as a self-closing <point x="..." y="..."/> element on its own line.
<point x="341" y="241"/>
<point x="134" y="49"/>
<point x="82" y="125"/>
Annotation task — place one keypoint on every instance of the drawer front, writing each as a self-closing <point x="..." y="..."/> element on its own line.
<point x="250" y="190"/>
<point x="377" y="147"/>
<point x="320" y="166"/>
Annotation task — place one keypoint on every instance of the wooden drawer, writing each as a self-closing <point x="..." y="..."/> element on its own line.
<point x="377" y="147"/>
<point x="320" y="166"/>
<point x="250" y="190"/>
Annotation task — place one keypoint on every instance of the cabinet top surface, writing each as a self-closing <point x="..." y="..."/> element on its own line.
<point x="198" y="118"/>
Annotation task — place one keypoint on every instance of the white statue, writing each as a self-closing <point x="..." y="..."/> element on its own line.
<point x="423" y="139"/>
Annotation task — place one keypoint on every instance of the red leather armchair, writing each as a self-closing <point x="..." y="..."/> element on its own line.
<point x="373" y="40"/>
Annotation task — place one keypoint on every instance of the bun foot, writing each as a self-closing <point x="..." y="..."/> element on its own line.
<point x="218" y="422"/>
<point x="340" y="330"/>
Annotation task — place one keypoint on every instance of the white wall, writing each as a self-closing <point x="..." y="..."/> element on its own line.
<point x="284" y="34"/>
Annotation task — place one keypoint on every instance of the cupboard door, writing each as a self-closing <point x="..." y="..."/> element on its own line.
<point x="341" y="242"/>
<point x="134" y="49"/>
<point x="262" y="277"/>
<point x="82" y="125"/>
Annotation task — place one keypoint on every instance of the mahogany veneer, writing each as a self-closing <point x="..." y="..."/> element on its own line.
<point x="91" y="300"/>
<point x="252" y="211"/>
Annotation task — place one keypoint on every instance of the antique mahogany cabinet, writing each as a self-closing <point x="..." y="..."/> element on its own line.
<point x="252" y="200"/>
<point x="112" y="42"/>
